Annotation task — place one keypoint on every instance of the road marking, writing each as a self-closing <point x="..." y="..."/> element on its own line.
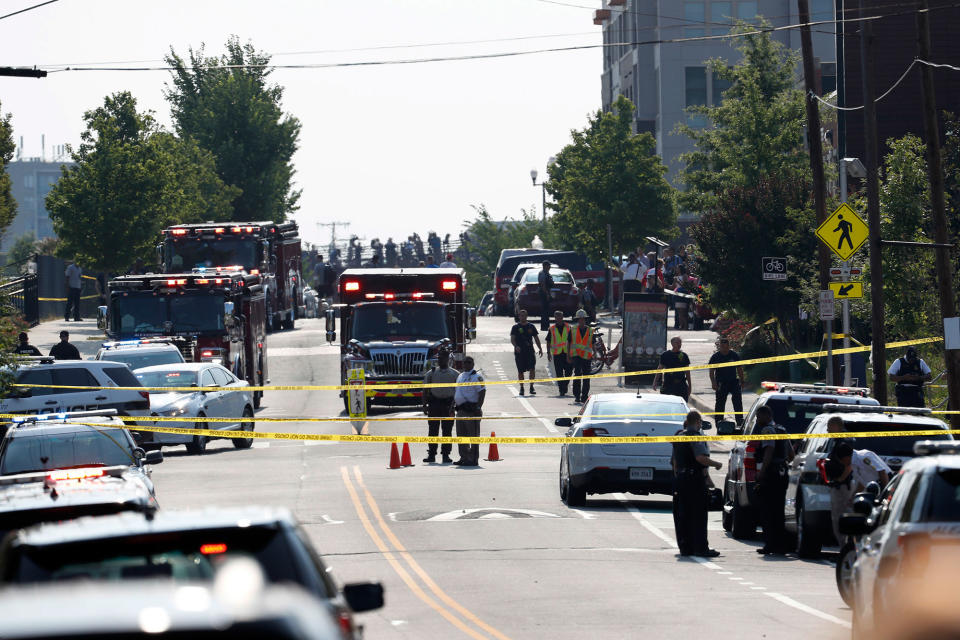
<point x="476" y="514"/>
<point x="790" y="602"/>
<point x="526" y="405"/>
<point x="413" y="564"/>
<point x="330" y="520"/>
<point x="316" y="443"/>
<point x="404" y="575"/>
<point x="287" y="352"/>
<point x="261" y="444"/>
<point x="759" y="588"/>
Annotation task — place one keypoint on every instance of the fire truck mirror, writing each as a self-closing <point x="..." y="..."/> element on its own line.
<point x="102" y="318"/>
<point x="471" y="318"/>
<point x="228" y="314"/>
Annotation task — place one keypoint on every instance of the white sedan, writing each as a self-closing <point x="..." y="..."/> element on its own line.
<point x="229" y="399"/>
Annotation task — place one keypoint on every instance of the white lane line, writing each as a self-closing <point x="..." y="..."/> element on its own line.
<point x="316" y="443"/>
<point x="734" y="578"/>
<point x="759" y="588"/>
<point x="261" y="445"/>
<point x="724" y="573"/>
<point x="790" y="602"/>
<point x="526" y="405"/>
<point x="633" y="511"/>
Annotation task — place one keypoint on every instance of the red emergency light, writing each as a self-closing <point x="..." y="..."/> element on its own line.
<point x="213" y="548"/>
<point x="255" y="272"/>
<point x="351" y="285"/>
<point x="219" y="230"/>
<point x="449" y="285"/>
<point x="202" y="281"/>
<point x="206" y="354"/>
<point x="174" y="282"/>
<point x="75" y="474"/>
<point x="235" y="229"/>
<point x="417" y="295"/>
<point x="389" y="296"/>
<point x="178" y="232"/>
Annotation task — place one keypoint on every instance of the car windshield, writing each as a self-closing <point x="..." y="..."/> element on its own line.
<point x="670" y="411"/>
<point x="404" y="321"/>
<point x="189" y="253"/>
<point x="144" y="313"/>
<point x="794" y="415"/>
<point x="136" y="360"/>
<point x="901" y="446"/>
<point x="560" y="276"/>
<point x="167" y="378"/>
<point x="177" y="555"/>
<point x="46" y="451"/>
<point x="943" y="504"/>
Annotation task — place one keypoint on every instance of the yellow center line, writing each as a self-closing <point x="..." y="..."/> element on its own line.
<point x="433" y="586"/>
<point x="407" y="579"/>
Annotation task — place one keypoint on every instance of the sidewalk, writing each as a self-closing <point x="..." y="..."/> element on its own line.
<point x="84" y="335"/>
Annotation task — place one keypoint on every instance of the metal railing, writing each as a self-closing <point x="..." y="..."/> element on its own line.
<point x="23" y="294"/>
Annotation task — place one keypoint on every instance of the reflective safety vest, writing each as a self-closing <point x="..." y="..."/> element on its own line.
<point x="559" y="340"/>
<point x="581" y="346"/>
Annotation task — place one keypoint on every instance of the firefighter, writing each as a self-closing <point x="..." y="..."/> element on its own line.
<point x="438" y="405"/>
<point x="558" y="345"/>
<point x="580" y="356"/>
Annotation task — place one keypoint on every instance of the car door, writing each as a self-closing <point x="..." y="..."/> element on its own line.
<point x="803" y="462"/>
<point x="39" y="400"/>
<point x="83" y="399"/>
<point x="231" y="400"/>
<point x="212" y="404"/>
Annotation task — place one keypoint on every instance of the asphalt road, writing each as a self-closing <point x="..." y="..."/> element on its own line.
<point x="491" y="552"/>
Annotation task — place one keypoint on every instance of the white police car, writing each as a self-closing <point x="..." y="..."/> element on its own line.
<point x="137" y="354"/>
<point x="908" y="551"/>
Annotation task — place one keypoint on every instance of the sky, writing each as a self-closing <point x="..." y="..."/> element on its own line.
<point x="388" y="149"/>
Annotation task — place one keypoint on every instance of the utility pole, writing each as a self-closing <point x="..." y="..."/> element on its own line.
<point x="935" y="171"/>
<point x="873" y="209"/>
<point x="22" y="72"/>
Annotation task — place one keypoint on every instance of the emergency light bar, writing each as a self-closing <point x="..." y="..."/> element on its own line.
<point x="861" y="408"/>
<point x="449" y="285"/>
<point x="351" y="285"/>
<point x="131" y="343"/>
<point x="787" y="387"/>
<point x="935" y="447"/>
<point x="63" y="474"/>
<point x="416" y="295"/>
<point x="44" y="417"/>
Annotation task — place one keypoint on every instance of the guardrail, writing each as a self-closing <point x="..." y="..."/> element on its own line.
<point x="23" y="294"/>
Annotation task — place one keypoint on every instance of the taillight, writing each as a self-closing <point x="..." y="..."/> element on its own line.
<point x="178" y="232"/>
<point x="574" y="290"/>
<point x="351" y="285"/>
<point x="749" y="463"/>
<point x="449" y="285"/>
<point x="593" y="432"/>
<point x="346" y="624"/>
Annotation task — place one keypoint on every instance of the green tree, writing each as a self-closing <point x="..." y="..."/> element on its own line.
<point x="130" y="180"/>
<point x="20" y="253"/>
<point x="608" y="175"/>
<point x="8" y="206"/>
<point x="228" y="107"/>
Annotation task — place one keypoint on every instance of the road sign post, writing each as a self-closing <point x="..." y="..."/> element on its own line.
<point x="827" y="312"/>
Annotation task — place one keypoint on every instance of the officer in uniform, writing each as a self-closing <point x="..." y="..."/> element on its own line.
<point x="438" y="405"/>
<point x="581" y="355"/>
<point x="771" y="484"/>
<point x="558" y="344"/>
<point x="469" y="403"/>
<point x="690" y="463"/>
<point x="677" y="383"/>
<point x="909" y="372"/>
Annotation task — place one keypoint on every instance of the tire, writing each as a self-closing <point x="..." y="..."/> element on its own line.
<point x="248" y="425"/>
<point x="198" y="446"/>
<point x="844" y="572"/>
<point x="257" y="397"/>
<point x="808" y="541"/>
<point x="287" y="323"/>
<point x="742" y="524"/>
<point x="571" y="496"/>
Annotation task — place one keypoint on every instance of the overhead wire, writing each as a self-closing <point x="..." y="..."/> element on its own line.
<point x="886" y="93"/>
<point x="36" y="6"/>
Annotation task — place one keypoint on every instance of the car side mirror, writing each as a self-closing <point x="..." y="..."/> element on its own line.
<point x="563" y="422"/>
<point x="726" y="428"/>
<point x="872" y="488"/>
<point x="102" y="318"/>
<point x="863" y="503"/>
<point x="153" y="457"/>
<point x="854" y="524"/>
<point x="363" y="596"/>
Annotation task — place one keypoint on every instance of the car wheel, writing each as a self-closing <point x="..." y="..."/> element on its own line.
<point x="563" y="485"/>
<point x="742" y="525"/>
<point x="246" y="425"/>
<point x="287" y="324"/>
<point x="808" y="542"/>
<point x="848" y="555"/>
<point x="576" y="497"/>
<point x="198" y="446"/>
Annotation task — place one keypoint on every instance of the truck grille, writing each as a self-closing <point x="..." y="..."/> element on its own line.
<point x="404" y="364"/>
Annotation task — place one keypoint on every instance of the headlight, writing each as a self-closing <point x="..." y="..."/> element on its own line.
<point x="173" y="412"/>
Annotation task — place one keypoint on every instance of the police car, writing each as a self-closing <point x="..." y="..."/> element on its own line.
<point x="908" y="551"/>
<point x="137" y="354"/>
<point x="807" y="507"/>
<point x="794" y="406"/>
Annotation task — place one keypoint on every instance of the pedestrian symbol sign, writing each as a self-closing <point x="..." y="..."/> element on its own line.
<point x="847" y="290"/>
<point x="356" y="395"/>
<point x="844" y="232"/>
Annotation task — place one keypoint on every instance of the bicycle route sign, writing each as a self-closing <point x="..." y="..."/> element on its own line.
<point x="844" y="232"/>
<point x="774" y="268"/>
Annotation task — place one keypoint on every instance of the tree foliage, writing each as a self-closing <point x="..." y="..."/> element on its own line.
<point x="23" y="248"/>
<point x="608" y="175"/>
<point x="8" y="206"/>
<point x="228" y="107"/>
<point x="130" y="180"/>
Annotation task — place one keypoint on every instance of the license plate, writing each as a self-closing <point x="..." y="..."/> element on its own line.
<point x="641" y="473"/>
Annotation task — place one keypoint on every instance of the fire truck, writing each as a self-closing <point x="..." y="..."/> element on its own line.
<point x="213" y="317"/>
<point x="394" y="322"/>
<point x="269" y="249"/>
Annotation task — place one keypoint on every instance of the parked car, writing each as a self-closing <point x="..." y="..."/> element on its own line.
<point x="564" y="296"/>
<point x="808" y="496"/>
<point x="576" y="263"/>
<point x="794" y="406"/>
<point x="485" y="308"/>
<point x="231" y="399"/>
<point x="633" y="468"/>
<point x="183" y="546"/>
<point x="137" y="354"/>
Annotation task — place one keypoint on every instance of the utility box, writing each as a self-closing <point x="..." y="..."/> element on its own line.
<point x="644" y="333"/>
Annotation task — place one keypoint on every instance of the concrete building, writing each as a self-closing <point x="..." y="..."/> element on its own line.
<point x="32" y="179"/>
<point x="662" y="79"/>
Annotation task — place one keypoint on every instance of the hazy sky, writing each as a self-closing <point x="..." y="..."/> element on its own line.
<point x="390" y="149"/>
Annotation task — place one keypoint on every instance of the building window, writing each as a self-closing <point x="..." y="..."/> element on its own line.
<point x="696" y="86"/>
<point x="29" y="181"/>
<point x="694" y="13"/>
<point x="747" y="10"/>
<point x="720" y="14"/>
<point x="821" y="10"/>
<point x="828" y="77"/>
<point x="718" y="85"/>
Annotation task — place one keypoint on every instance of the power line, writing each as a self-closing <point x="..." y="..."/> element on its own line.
<point x="36" y="6"/>
<point x="902" y="77"/>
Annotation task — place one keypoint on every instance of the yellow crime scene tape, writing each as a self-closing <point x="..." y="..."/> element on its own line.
<point x="423" y="385"/>
<point x="64" y="299"/>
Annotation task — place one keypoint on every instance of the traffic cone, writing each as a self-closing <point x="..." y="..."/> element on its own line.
<point x="405" y="460"/>
<point x="394" y="456"/>
<point x="493" y="455"/>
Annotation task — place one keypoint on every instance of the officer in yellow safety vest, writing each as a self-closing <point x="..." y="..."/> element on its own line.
<point x="558" y="345"/>
<point x="580" y="356"/>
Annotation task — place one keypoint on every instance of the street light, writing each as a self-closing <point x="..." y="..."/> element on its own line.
<point x="543" y="185"/>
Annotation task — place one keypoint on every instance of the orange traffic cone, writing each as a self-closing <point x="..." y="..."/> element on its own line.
<point x="493" y="454"/>
<point x="394" y="456"/>
<point x="405" y="460"/>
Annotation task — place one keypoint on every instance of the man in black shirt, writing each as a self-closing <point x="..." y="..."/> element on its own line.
<point x="677" y="383"/>
<point x="24" y="347"/>
<point x="63" y="350"/>
<point x="545" y="284"/>
<point x="522" y="336"/>
<point x="727" y="381"/>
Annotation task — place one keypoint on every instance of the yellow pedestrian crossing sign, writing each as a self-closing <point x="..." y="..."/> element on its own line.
<point x="844" y="232"/>
<point x="846" y="290"/>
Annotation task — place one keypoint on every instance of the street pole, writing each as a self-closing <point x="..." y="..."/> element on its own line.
<point x="845" y="270"/>
<point x="610" y="271"/>
<point x="543" y="203"/>
<point x="935" y="172"/>
<point x="879" y="351"/>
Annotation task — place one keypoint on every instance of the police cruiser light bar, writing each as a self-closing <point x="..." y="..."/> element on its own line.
<point x="61" y="475"/>
<point x="114" y="344"/>
<point x="936" y="447"/>
<point x="65" y="415"/>
<point x="788" y="387"/>
<point x="862" y="408"/>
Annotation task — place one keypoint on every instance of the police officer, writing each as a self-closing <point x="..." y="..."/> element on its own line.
<point x="438" y="405"/>
<point x="469" y="404"/>
<point x="771" y="484"/>
<point x="24" y="347"/>
<point x="581" y="355"/>
<point x="558" y="344"/>
<point x="909" y="372"/>
<point x="690" y="463"/>
<point x="676" y="383"/>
